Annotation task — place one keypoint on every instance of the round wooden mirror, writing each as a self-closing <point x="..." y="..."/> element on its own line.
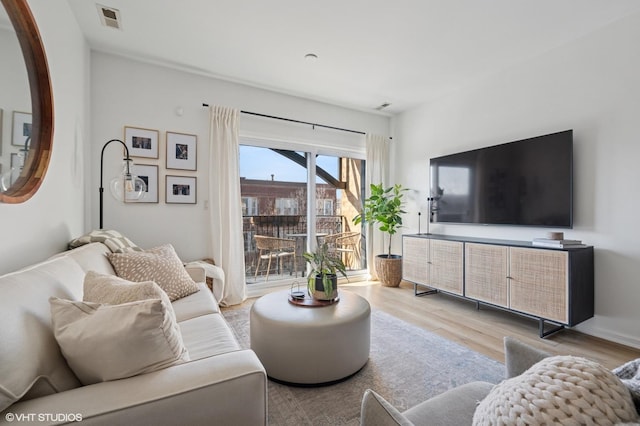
<point x="39" y="139"/>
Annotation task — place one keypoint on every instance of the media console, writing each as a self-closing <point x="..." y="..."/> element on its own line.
<point x="555" y="286"/>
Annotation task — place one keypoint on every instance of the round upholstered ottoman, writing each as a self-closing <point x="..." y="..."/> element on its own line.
<point x="310" y="345"/>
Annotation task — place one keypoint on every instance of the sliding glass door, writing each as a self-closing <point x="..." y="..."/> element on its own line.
<point x="338" y="200"/>
<point x="283" y="191"/>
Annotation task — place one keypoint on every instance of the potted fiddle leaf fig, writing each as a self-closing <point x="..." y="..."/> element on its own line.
<point x="323" y="278"/>
<point x="385" y="208"/>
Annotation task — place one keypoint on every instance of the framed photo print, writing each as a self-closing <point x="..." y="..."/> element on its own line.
<point x="141" y="142"/>
<point x="21" y="131"/>
<point x="180" y="189"/>
<point x="149" y="174"/>
<point x="181" y="151"/>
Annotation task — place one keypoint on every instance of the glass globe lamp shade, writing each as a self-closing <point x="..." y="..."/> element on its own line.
<point x="8" y="178"/>
<point x="127" y="186"/>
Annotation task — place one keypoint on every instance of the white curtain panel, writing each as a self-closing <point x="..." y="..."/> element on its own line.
<point x="376" y="172"/>
<point x="225" y="212"/>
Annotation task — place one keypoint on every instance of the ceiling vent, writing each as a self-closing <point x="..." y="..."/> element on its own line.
<point x="109" y="17"/>
<point x="382" y="106"/>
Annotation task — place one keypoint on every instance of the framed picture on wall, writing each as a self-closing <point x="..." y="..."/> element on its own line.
<point x="21" y="132"/>
<point x="149" y="174"/>
<point x="141" y="142"/>
<point x="180" y="190"/>
<point x="181" y="151"/>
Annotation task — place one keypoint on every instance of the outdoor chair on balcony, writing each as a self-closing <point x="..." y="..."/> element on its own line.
<point x="272" y="248"/>
<point x="347" y="243"/>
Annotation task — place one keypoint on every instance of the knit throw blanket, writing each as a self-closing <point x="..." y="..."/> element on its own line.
<point x="115" y="241"/>
<point x="559" y="390"/>
<point x="629" y="374"/>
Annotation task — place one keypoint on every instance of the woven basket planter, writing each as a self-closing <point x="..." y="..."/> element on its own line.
<point x="389" y="269"/>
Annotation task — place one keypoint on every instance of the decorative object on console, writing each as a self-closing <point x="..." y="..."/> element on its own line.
<point x="555" y="242"/>
<point x="141" y="142"/>
<point x="323" y="277"/>
<point x="180" y="190"/>
<point x="160" y="264"/>
<point x="125" y="186"/>
<point x="181" y="151"/>
<point x="385" y="207"/>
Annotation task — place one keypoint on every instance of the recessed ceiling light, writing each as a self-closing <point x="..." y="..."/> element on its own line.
<point x="311" y="57"/>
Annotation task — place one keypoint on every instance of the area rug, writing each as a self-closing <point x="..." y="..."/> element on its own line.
<point x="407" y="365"/>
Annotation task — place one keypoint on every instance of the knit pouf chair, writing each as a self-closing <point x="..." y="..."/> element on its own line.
<point x="559" y="390"/>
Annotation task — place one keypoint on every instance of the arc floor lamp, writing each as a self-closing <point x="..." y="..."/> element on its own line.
<point x="124" y="187"/>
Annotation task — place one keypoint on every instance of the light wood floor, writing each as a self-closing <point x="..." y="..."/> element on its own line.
<point x="483" y="330"/>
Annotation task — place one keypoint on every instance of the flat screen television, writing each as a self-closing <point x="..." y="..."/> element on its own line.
<point x="527" y="182"/>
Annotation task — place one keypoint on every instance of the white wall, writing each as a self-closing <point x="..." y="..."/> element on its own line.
<point x="126" y="92"/>
<point x="33" y="230"/>
<point x="590" y="86"/>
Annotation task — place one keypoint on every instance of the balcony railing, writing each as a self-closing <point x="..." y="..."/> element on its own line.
<point x="283" y="227"/>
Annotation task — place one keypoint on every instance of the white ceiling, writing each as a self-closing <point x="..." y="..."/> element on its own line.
<point x="405" y="52"/>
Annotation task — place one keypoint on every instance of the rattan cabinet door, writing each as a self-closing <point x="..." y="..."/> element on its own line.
<point x="539" y="283"/>
<point x="415" y="255"/>
<point x="446" y="266"/>
<point x="486" y="270"/>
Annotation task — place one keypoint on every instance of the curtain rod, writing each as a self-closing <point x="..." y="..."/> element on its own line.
<point x="298" y="121"/>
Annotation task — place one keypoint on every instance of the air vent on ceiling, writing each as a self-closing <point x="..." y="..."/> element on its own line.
<point x="109" y="17"/>
<point x="382" y="106"/>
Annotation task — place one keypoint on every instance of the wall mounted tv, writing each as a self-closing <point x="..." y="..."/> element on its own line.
<point x="527" y="182"/>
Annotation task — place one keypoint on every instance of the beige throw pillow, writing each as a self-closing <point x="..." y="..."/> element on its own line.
<point x="160" y="264"/>
<point x="110" y="342"/>
<point x="112" y="290"/>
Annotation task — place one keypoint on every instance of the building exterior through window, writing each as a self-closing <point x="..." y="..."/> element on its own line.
<point x="275" y="196"/>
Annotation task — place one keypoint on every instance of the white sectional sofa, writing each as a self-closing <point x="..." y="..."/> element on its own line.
<point x="221" y="384"/>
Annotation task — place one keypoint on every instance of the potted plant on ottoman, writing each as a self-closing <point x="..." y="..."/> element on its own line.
<point x="385" y="207"/>
<point x="323" y="278"/>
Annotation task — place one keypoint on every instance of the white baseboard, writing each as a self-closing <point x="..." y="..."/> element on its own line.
<point x="612" y="336"/>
